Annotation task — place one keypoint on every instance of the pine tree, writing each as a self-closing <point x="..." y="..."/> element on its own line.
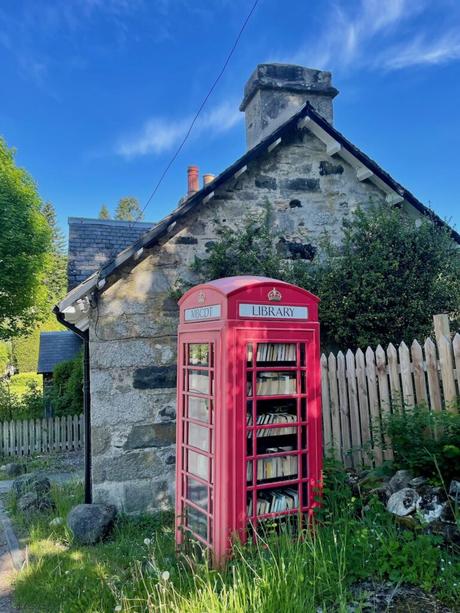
<point x="56" y="278"/>
<point x="128" y="209"/>
<point x="104" y="213"/>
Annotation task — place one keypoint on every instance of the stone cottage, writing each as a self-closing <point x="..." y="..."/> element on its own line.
<point x="312" y="176"/>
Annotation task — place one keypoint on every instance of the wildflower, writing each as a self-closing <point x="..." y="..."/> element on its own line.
<point x="147" y="541"/>
<point x="165" y="575"/>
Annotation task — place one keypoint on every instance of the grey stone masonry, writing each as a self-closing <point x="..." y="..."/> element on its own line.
<point x="274" y="92"/>
<point x="93" y="242"/>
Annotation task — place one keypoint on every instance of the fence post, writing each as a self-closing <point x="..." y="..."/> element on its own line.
<point x="441" y="327"/>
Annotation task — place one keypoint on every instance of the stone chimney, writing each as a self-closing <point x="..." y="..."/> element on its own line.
<point x="275" y="92"/>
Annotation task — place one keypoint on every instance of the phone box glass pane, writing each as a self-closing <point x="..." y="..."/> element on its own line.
<point x="198" y="381"/>
<point x="197" y="522"/>
<point x="197" y="493"/>
<point x="198" y="354"/>
<point x="198" y="464"/>
<point x="198" y="408"/>
<point x="198" y="436"/>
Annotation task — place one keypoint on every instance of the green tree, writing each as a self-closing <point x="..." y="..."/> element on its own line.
<point x="25" y="246"/>
<point x="382" y="284"/>
<point x="56" y="279"/>
<point x="104" y="213"/>
<point x="128" y="209"/>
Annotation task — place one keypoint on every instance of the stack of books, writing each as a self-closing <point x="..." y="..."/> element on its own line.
<point x="275" y="468"/>
<point x="274" y="352"/>
<point x="275" y="501"/>
<point x="273" y="418"/>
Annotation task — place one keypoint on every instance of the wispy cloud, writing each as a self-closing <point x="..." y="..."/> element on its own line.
<point x="421" y="51"/>
<point x="159" y="134"/>
<point x="368" y="35"/>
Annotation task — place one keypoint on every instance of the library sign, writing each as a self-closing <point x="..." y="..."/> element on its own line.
<point x="273" y="311"/>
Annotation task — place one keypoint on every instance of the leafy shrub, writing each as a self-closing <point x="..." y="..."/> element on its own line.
<point x="66" y="394"/>
<point x="28" y="405"/>
<point x="423" y="440"/>
<point x="4" y="357"/>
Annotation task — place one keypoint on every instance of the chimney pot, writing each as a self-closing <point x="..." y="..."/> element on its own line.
<point x="192" y="180"/>
<point x="208" y="178"/>
<point x="274" y="92"/>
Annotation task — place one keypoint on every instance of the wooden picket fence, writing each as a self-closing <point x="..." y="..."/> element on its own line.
<point x="358" y="388"/>
<point x="49" y="434"/>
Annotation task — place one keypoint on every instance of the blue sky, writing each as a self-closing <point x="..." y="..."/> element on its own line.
<point x="96" y="94"/>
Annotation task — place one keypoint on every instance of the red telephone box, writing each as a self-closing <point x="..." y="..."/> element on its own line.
<point x="249" y="440"/>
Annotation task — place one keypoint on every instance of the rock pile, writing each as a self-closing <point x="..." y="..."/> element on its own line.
<point x="32" y="492"/>
<point x="415" y="502"/>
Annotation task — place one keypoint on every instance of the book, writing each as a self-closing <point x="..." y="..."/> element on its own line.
<point x="274" y="467"/>
<point x="274" y="352"/>
<point x="275" y="501"/>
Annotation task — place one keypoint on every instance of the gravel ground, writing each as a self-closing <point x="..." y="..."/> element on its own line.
<point x="7" y="574"/>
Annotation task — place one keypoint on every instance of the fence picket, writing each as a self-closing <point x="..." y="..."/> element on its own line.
<point x="408" y="395"/>
<point x="446" y="366"/>
<point x="419" y="373"/>
<point x="344" y="414"/>
<point x="456" y="350"/>
<point x="433" y="377"/>
<point x="334" y="404"/>
<point x="363" y="399"/>
<point x="395" y="387"/>
<point x="327" y="427"/>
<point x="353" y="407"/>
<point x="374" y="411"/>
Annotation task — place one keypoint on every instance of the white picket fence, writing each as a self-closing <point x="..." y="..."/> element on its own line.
<point x="358" y="388"/>
<point x="49" y="434"/>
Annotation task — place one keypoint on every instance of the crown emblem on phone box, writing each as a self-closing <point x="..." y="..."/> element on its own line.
<point x="274" y="295"/>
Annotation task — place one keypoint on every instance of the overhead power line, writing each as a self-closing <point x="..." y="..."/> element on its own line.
<point x="201" y="107"/>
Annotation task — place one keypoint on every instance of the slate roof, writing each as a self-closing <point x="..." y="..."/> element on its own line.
<point x="94" y="242"/>
<point x="166" y="225"/>
<point x="55" y="347"/>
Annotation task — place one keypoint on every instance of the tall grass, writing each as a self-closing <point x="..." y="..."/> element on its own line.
<point x="138" y="569"/>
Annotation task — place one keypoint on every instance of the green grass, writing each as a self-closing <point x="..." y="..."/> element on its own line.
<point x="19" y="382"/>
<point x="281" y="574"/>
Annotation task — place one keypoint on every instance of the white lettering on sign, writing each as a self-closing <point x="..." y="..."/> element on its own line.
<point x="273" y="311"/>
<point x="202" y="312"/>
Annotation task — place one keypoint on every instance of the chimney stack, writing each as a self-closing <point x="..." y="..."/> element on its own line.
<point x="207" y="178"/>
<point x="275" y="92"/>
<point x="192" y="180"/>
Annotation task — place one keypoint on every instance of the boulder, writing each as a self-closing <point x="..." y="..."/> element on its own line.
<point x="91" y="523"/>
<point x="417" y="482"/>
<point x="403" y="502"/>
<point x="34" y="482"/>
<point x="31" y="501"/>
<point x="430" y="507"/>
<point x="14" y="469"/>
<point x="454" y="491"/>
<point x="400" y="480"/>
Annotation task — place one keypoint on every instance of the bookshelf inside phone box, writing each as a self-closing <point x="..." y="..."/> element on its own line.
<point x="249" y="441"/>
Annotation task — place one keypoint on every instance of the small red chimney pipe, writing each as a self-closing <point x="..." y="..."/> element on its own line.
<point x="193" y="180"/>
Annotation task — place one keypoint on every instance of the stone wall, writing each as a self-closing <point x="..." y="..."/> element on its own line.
<point x="133" y="343"/>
